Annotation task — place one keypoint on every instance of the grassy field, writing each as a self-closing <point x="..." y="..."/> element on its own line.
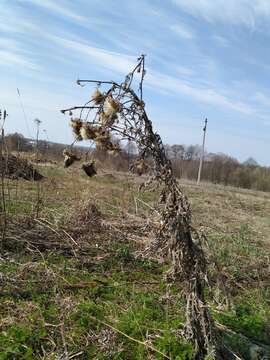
<point x="73" y="285"/>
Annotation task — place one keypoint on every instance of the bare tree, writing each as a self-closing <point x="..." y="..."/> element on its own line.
<point x="178" y="151"/>
<point x="119" y="110"/>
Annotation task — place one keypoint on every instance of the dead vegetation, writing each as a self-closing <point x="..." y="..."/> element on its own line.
<point x="15" y="167"/>
<point x="80" y="265"/>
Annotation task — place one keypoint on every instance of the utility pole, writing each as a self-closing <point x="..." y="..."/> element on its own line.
<point x="202" y="152"/>
<point x="3" y="166"/>
<point x="38" y="122"/>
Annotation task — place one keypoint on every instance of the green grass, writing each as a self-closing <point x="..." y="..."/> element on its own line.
<point x="50" y="299"/>
<point x="124" y="302"/>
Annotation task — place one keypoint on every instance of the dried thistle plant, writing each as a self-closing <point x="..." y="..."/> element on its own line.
<point x="120" y="111"/>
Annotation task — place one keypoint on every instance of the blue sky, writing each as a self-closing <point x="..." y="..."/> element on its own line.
<point x="205" y="58"/>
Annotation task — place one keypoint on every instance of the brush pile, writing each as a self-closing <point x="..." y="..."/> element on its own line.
<point x="14" y="167"/>
<point x="84" y="227"/>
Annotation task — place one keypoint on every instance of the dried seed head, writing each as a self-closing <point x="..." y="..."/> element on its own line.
<point x="111" y="106"/>
<point x="103" y="118"/>
<point x="69" y="158"/>
<point x="87" y="131"/>
<point x="66" y="152"/>
<point x="76" y="125"/>
<point x="97" y="97"/>
<point x="107" y="120"/>
<point x="89" y="169"/>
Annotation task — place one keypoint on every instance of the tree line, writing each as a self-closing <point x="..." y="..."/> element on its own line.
<point x="218" y="168"/>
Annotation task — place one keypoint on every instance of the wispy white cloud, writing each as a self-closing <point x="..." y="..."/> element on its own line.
<point x="240" y="12"/>
<point x="13" y="54"/>
<point x="21" y="26"/>
<point x="117" y="62"/>
<point x="59" y="8"/>
<point x="201" y="94"/>
<point x="12" y="59"/>
<point x="183" y="70"/>
<point x="7" y="43"/>
<point x="262" y="99"/>
<point x="75" y="12"/>
<point x="9" y="24"/>
<point x="183" y="31"/>
<point x="122" y="63"/>
<point x="221" y="41"/>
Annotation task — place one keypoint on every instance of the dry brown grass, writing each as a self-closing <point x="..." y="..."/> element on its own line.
<point x="96" y="224"/>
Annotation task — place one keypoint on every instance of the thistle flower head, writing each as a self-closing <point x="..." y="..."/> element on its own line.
<point x="97" y="97"/>
<point x="111" y="106"/>
<point x="107" y="120"/>
<point x="76" y="125"/>
<point x="87" y="131"/>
